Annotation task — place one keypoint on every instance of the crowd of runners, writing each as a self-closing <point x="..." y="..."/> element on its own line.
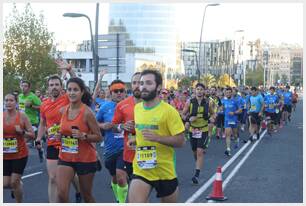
<point x="138" y="131"/>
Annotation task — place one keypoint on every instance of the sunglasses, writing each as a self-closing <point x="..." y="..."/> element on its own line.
<point x="118" y="90"/>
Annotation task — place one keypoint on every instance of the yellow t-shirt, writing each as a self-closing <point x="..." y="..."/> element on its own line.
<point x="152" y="160"/>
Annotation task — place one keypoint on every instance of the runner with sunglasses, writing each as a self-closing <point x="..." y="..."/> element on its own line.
<point x="113" y="142"/>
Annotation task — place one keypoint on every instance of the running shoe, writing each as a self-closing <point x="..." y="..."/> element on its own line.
<point x="195" y="180"/>
<point x="227" y="153"/>
<point x="237" y="144"/>
<point x="78" y="197"/>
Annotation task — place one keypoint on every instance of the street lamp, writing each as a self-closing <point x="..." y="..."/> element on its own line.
<point x="240" y="64"/>
<point x="200" y="44"/>
<point x="197" y="64"/>
<point x="93" y="46"/>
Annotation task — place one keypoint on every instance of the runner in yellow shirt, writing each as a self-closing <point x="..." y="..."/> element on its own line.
<point x="159" y="129"/>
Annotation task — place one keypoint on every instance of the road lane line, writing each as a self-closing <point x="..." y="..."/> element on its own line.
<point x="31" y="175"/>
<point x="235" y="170"/>
<point x="212" y="178"/>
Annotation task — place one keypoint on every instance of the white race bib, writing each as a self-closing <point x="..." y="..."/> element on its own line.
<point x="196" y="133"/>
<point x="70" y="145"/>
<point x="10" y="145"/>
<point x="146" y="157"/>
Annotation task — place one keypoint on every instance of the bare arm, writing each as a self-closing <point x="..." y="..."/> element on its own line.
<point x="98" y="85"/>
<point x="173" y="141"/>
<point x="94" y="128"/>
<point x="41" y="129"/>
<point x="29" y="133"/>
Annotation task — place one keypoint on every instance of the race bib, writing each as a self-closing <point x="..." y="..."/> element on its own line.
<point x="196" y="133"/>
<point x="10" y="145"/>
<point x="146" y="157"/>
<point x="119" y="135"/>
<point x="21" y="107"/>
<point x="52" y="131"/>
<point x="253" y="107"/>
<point x="231" y="122"/>
<point x="271" y="106"/>
<point x="70" y="145"/>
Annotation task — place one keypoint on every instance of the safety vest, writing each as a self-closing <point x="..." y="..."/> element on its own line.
<point x="200" y="111"/>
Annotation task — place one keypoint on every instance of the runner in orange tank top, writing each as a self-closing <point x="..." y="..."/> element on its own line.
<point x="50" y="118"/>
<point x="78" y="130"/>
<point x="16" y="127"/>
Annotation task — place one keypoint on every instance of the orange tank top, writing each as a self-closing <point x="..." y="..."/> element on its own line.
<point x="14" y="146"/>
<point x="74" y="150"/>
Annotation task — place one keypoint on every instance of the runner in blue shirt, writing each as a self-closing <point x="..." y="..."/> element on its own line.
<point x="287" y="104"/>
<point x="256" y="108"/>
<point x="243" y="116"/>
<point x="113" y="143"/>
<point x="271" y="103"/>
<point x="237" y="97"/>
<point x="231" y="111"/>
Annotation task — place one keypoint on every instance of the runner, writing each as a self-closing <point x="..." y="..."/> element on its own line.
<point x="243" y="115"/>
<point x="159" y="128"/>
<point x="49" y="123"/>
<point x="216" y="103"/>
<point x="113" y="143"/>
<point x="16" y="128"/>
<point x="271" y="103"/>
<point x="78" y="131"/>
<point x="295" y="97"/>
<point x="124" y="118"/>
<point x="287" y="104"/>
<point x="231" y="109"/>
<point x="201" y="110"/>
<point x="220" y="118"/>
<point x="256" y="108"/>
<point x="29" y="103"/>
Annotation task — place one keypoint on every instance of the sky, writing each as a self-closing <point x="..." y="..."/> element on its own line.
<point x="271" y="22"/>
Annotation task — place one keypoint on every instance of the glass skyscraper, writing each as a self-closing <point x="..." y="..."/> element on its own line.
<point x="151" y="27"/>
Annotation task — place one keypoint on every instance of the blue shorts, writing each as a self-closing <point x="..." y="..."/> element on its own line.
<point x="230" y="124"/>
<point x="114" y="162"/>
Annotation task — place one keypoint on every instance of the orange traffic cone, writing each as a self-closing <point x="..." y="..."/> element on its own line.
<point x="217" y="193"/>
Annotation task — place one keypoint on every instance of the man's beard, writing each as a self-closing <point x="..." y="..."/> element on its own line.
<point x="151" y="95"/>
<point x="137" y="93"/>
<point x="56" y="94"/>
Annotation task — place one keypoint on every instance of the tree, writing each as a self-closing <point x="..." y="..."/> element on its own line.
<point x="255" y="78"/>
<point x="28" y="50"/>
<point x="185" y="82"/>
<point x="208" y="80"/>
<point x="225" y="80"/>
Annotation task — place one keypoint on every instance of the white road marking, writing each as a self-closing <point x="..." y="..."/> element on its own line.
<point x="235" y="170"/>
<point x="212" y="178"/>
<point x="31" y="175"/>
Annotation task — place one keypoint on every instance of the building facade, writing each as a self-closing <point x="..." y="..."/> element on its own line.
<point x="150" y="26"/>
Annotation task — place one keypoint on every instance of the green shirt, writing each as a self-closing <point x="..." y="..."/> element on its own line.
<point x="31" y="113"/>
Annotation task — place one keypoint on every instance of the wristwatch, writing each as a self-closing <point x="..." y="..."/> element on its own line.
<point x="85" y="136"/>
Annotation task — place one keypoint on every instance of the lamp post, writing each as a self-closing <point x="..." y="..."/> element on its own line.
<point x="202" y="25"/>
<point x="94" y="44"/>
<point x="239" y="56"/>
<point x="197" y="63"/>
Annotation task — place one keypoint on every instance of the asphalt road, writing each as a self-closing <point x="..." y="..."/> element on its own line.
<point x="273" y="172"/>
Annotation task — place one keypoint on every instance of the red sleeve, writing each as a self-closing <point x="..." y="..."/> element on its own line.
<point x="42" y="111"/>
<point x="118" y="117"/>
